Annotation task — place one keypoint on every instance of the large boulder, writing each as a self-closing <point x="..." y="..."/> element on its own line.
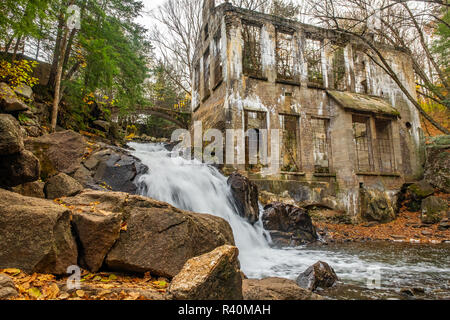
<point x="421" y="190"/>
<point x="212" y="276"/>
<point x="18" y="169"/>
<point x="245" y="195"/>
<point x="31" y="189"/>
<point x="9" y="102"/>
<point x="289" y="225"/>
<point x="11" y="141"/>
<point x="320" y="275"/>
<point x="97" y="232"/>
<point x="411" y="195"/>
<point x="7" y="287"/>
<point x="58" y="152"/>
<point x="62" y="185"/>
<point x="35" y="235"/>
<point x="275" y="289"/>
<point x="155" y="237"/>
<point x="437" y="168"/>
<point x="434" y="209"/>
<point x="112" y="169"/>
<point x="376" y="205"/>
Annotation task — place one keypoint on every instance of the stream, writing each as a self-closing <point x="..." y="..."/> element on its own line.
<point x="367" y="270"/>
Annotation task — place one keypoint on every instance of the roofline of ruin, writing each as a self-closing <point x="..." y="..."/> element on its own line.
<point x="296" y="25"/>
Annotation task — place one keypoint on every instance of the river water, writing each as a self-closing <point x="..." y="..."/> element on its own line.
<point x="368" y="270"/>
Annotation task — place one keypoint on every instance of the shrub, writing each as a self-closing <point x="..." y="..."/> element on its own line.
<point x="18" y="73"/>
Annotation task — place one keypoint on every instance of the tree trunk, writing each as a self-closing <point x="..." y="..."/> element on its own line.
<point x="56" y="52"/>
<point x="16" y="47"/>
<point x="69" y="48"/>
<point x="56" y="97"/>
<point x="8" y="45"/>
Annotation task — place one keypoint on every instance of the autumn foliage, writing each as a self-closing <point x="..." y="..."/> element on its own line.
<point x="18" y="73"/>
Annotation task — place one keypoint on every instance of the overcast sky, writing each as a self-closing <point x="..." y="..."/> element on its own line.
<point x="149" y="5"/>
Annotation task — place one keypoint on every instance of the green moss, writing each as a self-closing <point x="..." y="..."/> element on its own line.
<point x="441" y="140"/>
<point x="421" y="190"/>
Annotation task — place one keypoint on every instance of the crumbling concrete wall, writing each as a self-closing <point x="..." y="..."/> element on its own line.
<point x="343" y="66"/>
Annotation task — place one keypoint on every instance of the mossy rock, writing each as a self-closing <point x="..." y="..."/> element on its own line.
<point x="434" y="209"/>
<point x="421" y="190"/>
<point x="377" y="206"/>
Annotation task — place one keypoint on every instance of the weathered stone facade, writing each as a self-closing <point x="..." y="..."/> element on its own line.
<point x="345" y="124"/>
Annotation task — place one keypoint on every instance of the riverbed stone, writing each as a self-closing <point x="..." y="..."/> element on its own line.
<point x="103" y="125"/>
<point x="444" y="225"/>
<point x="421" y="190"/>
<point x="276" y="289"/>
<point x="434" y="209"/>
<point x="286" y="221"/>
<point x="212" y="276"/>
<point x="161" y="238"/>
<point x="245" y="195"/>
<point x="112" y="169"/>
<point x="24" y="91"/>
<point x="320" y="275"/>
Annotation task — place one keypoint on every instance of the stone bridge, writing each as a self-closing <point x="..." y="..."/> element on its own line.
<point x="180" y="118"/>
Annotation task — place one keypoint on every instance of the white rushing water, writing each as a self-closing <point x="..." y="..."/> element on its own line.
<point x="197" y="187"/>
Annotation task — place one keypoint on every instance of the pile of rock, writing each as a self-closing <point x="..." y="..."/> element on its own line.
<point x="12" y="102"/>
<point x="67" y="166"/>
<point x="57" y="156"/>
<point x="288" y="224"/>
<point x="116" y="230"/>
<point x="119" y="232"/>
<point x="110" y="168"/>
<point x="421" y="196"/>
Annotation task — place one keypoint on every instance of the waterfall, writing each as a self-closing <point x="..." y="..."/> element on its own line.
<point x="194" y="186"/>
<point x="197" y="187"/>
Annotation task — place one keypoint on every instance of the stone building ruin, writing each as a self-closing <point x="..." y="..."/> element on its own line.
<point x="346" y="126"/>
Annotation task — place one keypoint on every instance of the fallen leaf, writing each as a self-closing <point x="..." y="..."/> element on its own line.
<point x="12" y="272"/>
<point x="80" y="293"/>
<point x="112" y="277"/>
<point x="64" y="296"/>
<point x="104" y="293"/>
<point x="52" y="292"/>
<point x="34" y="292"/>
